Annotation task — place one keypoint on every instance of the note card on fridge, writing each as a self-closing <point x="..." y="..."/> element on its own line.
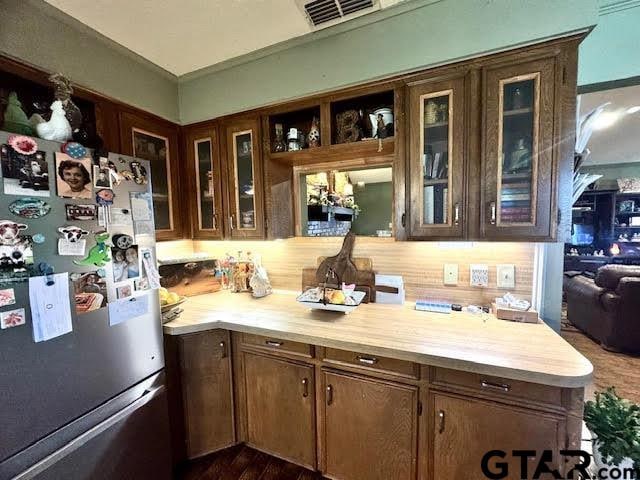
<point x="50" y="306"/>
<point x="128" y="308"/>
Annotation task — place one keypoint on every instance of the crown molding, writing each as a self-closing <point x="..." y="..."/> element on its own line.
<point x="613" y="6"/>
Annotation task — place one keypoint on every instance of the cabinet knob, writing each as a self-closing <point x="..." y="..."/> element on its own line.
<point x="441" y="418"/>
<point x="456" y="214"/>
<point x="273" y="343"/>
<point x="223" y="346"/>
<point x="305" y="387"/>
<point x="329" y="394"/>
<point x="367" y="360"/>
<point x="503" y="387"/>
<point x="492" y="208"/>
<point x="231" y="222"/>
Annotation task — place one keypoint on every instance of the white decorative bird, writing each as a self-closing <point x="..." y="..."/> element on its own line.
<point x="57" y="128"/>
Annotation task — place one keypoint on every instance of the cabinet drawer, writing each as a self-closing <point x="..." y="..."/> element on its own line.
<point x="501" y="387"/>
<point x="276" y="344"/>
<point x="372" y="362"/>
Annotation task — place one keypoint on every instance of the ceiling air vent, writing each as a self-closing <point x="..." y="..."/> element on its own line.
<point x="324" y="13"/>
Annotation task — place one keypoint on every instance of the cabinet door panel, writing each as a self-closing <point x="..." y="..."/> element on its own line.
<point x="370" y="428"/>
<point x="245" y="185"/>
<point x="466" y="429"/>
<point x="158" y="143"/>
<point x="519" y="194"/>
<point x="205" y="181"/>
<point x="281" y="408"/>
<point x="437" y="158"/>
<point x="207" y="392"/>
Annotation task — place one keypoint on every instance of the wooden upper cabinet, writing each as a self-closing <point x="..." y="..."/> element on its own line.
<point x="157" y="142"/>
<point x="205" y="177"/>
<point x="370" y="428"/>
<point x="518" y="167"/>
<point x="280" y="408"/>
<point x="244" y="179"/>
<point x="464" y="430"/>
<point x="437" y="146"/>
<point x="205" y="366"/>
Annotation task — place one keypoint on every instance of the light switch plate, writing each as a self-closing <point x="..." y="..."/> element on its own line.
<point x="479" y="275"/>
<point x="450" y="276"/>
<point x="506" y="275"/>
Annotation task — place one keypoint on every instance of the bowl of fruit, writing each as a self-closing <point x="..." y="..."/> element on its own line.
<point x="169" y="300"/>
<point x="335" y="300"/>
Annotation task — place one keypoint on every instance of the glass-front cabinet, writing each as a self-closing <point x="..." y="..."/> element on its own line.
<point x="206" y="182"/>
<point x="437" y="143"/>
<point x="518" y="199"/>
<point x="244" y="170"/>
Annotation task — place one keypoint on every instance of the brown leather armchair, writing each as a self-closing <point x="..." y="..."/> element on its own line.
<point x="607" y="308"/>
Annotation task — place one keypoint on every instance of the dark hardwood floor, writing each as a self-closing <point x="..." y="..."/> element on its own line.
<point x="243" y="463"/>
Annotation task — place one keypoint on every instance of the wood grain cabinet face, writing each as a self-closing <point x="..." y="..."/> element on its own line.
<point x="518" y="171"/>
<point x="157" y="142"/>
<point x="370" y="428"/>
<point x="465" y="429"/>
<point x="244" y="176"/>
<point x="205" y="177"/>
<point x="437" y="159"/>
<point x="280" y="399"/>
<point x="207" y="392"/>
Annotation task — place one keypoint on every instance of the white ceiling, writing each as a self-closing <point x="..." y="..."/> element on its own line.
<point x="187" y="35"/>
<point x="371" y="175"/>
<point x="619" y="142"/>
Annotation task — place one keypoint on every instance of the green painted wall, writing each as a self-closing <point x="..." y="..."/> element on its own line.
<point x="434" y="33"/>
<point x="375" y="201"/>
<point x="612" y="49"/>
<point x="38" y="34"/>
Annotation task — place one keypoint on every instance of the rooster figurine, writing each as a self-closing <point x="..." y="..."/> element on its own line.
<point x="57" y="128"/>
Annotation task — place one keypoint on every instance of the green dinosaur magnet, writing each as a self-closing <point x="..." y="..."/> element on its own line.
<point x="98" y="254"/>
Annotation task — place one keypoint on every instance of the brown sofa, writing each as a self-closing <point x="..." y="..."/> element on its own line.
<point x="607" y="308"/>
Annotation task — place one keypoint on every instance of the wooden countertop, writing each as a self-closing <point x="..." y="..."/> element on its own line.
<point x="460" y="340"/>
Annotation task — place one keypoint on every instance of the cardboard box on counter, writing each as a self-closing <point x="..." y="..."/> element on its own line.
<point x="513" y="315"/>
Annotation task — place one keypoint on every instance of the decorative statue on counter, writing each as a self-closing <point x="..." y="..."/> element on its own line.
<point x="57" y="128"/>
<point x="15" y="120"/>
<point x="259" y="282"/>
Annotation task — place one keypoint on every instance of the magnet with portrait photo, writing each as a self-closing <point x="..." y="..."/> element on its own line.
<point x="125" y="263"/>
<point x="24" y="174"/>
<point x="124" y="291"/>
<point x="16" y="252"/>
<point x="90" y="291"/>
<point x="73" y="176"/>
<point x="101" y="177"/>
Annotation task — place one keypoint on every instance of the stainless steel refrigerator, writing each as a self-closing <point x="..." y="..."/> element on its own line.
<point x="89" y="404"/>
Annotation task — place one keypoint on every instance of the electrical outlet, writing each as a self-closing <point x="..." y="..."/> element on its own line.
<point x="506" y="275"/>
<point x="450" y="276"/>
<point x="479" y="275"/>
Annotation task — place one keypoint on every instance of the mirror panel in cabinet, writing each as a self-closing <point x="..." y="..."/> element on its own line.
<point x="155" y="148"/>
<point x="244" y="180"/>
<point x="518" y="140"/>
<point x="332" y="202"/>
<point x="206" y="188"/>
<point x="436" y="145"/>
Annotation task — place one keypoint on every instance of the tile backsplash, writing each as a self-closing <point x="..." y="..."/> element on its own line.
<point x="420" y="263"/>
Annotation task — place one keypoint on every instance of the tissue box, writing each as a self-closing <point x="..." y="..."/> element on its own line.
<point x="505" y="313"/>
<point x="389" y="289"/>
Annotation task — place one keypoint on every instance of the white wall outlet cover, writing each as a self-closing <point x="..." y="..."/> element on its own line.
<point x="506" y="275"/>
<point x="450" y="276"/>
<point x="479" y="275"/>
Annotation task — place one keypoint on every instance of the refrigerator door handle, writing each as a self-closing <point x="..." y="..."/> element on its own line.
<point x="79" y="441"/>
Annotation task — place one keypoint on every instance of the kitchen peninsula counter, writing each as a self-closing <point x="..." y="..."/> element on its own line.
<point x="462" y="341"/>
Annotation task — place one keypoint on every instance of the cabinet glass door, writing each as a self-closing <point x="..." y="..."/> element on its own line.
<point x="436" y="177"/>
<point x="206" y="184"/>
<point x="519" y="198"/>
<point x="244" y="180"/>
<point x="436" y="150"/>
<point x="518" y="141"/>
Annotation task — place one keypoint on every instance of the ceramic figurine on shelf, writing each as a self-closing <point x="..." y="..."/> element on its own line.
<point x="314" y="134"/>
<point x="57" y="128"/>
<point x="278" y="143"/>
<point x="15" y="120"/>
<point x="62" y="91"/>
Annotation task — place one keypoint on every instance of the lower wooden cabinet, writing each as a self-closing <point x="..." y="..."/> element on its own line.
<point x="370" y="428"/>
<point x="465" y="429"/>
<point x="205" y="369"/>
<point x="280" y="408"/>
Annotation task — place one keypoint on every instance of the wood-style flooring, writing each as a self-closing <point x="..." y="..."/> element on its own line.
<point x="609" y="369"/>
<point x="243" y="463"/>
